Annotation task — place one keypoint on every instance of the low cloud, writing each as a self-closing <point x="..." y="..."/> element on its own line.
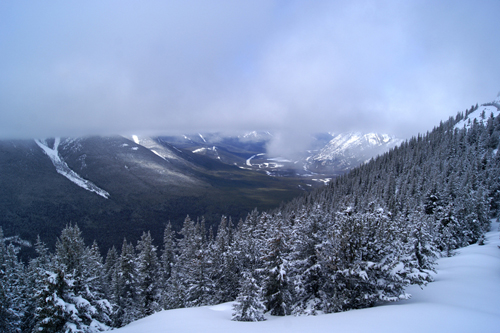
<point x="294" y="68"/>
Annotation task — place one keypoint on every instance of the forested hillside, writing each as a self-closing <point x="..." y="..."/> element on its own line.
<point x="141" y="189"/>
<point x="356" y="243"/>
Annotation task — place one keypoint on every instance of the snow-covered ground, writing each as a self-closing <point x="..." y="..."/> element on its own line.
<point x="465" y="297"/>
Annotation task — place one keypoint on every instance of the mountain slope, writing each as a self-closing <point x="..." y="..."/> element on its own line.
<point x="348" y="150"/>
<point x="113" y="188"/>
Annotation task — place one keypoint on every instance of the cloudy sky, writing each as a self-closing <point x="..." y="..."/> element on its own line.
<point x="70" y="68"/>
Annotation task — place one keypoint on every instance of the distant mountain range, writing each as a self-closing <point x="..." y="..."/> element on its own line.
<point x="329" y="155"/>
<point x="116" y="187"/>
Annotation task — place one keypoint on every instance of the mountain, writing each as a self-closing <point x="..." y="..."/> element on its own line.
<point x="115" y="187"/>
<point x="328" y="154"/>
<point x="348" y="150"/>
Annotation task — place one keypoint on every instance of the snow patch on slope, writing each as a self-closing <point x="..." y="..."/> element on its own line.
<point x="249" y="161"/>
<point x="346" y="144"/>
<point x="63" y="169"/>
<point x="481" y="116"/>
<point x="154" y="146"/>
<point x="205" y="150"/>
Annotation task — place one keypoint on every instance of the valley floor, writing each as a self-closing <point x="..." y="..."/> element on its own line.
<point x="465" y="297"/>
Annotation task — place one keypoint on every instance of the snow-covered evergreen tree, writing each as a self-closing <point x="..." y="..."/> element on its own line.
<point x="148" y="284"/>
<point x="11" y="273"/>
<point x="125" y="286"/>
<point x="277" y="295"/>
<point x="310" y="279"/>
<point x="249" y="305"/>
<point x="223" y="262"/>
<point x="52" y="313"/>
<point x="35" y="281"/>
<point x="167" y="262"/>
<point x="72" y="291"/>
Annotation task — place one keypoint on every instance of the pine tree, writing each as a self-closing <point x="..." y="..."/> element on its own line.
<point x="306" y="268"/>
<point x="277" y="295"/>
<point x="76" y="279"/>
<point x="167" y="262"/>
<point x="53" y="314"/>
<point x="223" y="259"/>
<point x="249" y="305"/>
<point x="192" y="283"/>
<point x="168" y="253"/>
<point x="8" y="317"/>
<point x="14" y="286"/>
<point x="125" y="286"/>
<point x="148" y="293"/>
<point x="110" y="270"/>
<point x="35" y="281"/>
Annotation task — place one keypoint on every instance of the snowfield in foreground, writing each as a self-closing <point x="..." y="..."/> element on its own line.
<point x="465" y="297"/>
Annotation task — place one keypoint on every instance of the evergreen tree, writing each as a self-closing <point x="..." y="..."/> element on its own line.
<point x="148" y="293"/>
<point x="125" y="286"/>
<point x="167" y="262"/>
<point x="249" y="305"/>
<point x="168" y="253"/>
<point x="53" y="314"/>
<point x="110" y="271"/>
<point x="192" y="279"/>
<point x="75" y="285"/>
<point x="224" y="267"/>
<point x="308" y="271"/>
<point x="9" y="287"/>
<point x="277" y="295"/>
<point x="35" y="281"/>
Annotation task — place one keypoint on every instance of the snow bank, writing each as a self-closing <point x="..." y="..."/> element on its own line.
<point x="465" y="297"/>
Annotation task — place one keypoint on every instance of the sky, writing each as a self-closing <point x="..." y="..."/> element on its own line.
<point x="75" y="68"/>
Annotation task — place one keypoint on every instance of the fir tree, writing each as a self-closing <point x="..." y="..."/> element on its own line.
<point x="125" y="285"/>
<point x="277" y="295"/>
<point x="167" y="262"/>
<point x="249" y="305"/>
<point x="52" y="314"/>
<point x="148" y="293"/>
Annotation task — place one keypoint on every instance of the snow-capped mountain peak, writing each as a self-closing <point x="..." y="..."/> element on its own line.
<point x="349" y="149"/>
<point x="344" y="144"/>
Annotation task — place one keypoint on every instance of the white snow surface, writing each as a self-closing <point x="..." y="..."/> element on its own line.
<point x="154" y="146"/>
<point x="203" y="150"/>
<point x="465" y="297"/>
<point x="345" y="144"/>
<point x="63" y="169"/>
<point x="249" y="161"/>
<point x="477" y="115"/>
<point x="256" y="136"/>
<point x="200" y="150"/>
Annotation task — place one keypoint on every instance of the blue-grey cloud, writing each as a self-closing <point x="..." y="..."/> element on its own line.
<point x="294" y="67"/>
